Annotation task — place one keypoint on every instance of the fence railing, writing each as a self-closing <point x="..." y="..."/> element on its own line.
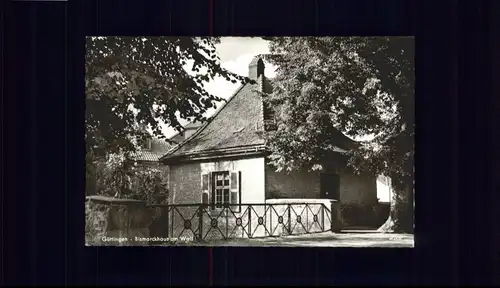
<point x="206" y="222"/>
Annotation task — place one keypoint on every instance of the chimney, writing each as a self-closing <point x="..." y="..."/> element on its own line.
<point x="191" y="128"/>
<point x="189" y="132"/>
<point x="256" y="68"/>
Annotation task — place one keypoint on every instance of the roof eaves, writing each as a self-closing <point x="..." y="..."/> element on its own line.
<point x="227" y="150"/>
<point x="215" y="154"/>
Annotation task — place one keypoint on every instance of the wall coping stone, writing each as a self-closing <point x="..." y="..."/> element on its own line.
<point x="112" y="200"/>
<point x="298" y="200"/>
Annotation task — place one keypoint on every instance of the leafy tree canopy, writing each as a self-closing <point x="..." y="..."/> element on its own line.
<point x="136" y="82"/>
<point x="358" y="85"/>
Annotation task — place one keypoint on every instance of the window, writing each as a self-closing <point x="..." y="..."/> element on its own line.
<point x="220" y="189"/>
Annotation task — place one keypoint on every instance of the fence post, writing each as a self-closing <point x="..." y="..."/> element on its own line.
<point x="265" y="219"/>
<point x="336" y="222"/>
<point x="307" y="218"/>
<point x="200" y="221"/>
<point x="289" y="220"/>
<point x="270" y="220"/>
<point x="165" y="211"/>
<point x="249" y="221"/>
<point x="227" y="221"/>
<point x="322" y="216"/>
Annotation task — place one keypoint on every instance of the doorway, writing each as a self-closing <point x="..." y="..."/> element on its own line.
<point x="330" y="186"/>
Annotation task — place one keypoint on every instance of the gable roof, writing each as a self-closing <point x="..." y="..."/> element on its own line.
<point x="193" y="125"/>
<point x="180" y="136"/>
<point x="237" y="124"/>
<point x="236" y="128"/>
<point x="160" y="147"/>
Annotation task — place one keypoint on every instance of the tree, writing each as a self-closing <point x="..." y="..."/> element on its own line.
<point x="359" y="86"/>
<point x="136" y="82"/>
<point x="121" y="178"/>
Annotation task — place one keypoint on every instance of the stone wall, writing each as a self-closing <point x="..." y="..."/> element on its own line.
<point x="116" y="222"/>
<point x="358" y="190"/>
<point x="296" y="184"/>
<point x="185" y="183"/>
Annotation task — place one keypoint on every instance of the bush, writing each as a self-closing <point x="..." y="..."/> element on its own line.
<point x="121" y="178"/>
<point x="148" y="185"/>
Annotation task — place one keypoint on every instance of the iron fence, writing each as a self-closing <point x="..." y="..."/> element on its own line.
<point x="203" y="222"/>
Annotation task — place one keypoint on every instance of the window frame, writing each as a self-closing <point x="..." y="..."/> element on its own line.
<point x="221" y="188"/>
<point x="211" y="186"/>
<point x="147" y="145"/>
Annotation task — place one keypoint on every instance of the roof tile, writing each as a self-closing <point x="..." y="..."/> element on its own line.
<point x="158" y="149"/>
<point x="238" y="123"/>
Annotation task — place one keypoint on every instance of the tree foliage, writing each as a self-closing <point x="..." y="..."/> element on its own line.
<point x="360" y="86"/>
<point x="357" y="85"/>
<point x="119" y="177"/>
<point x="136" y="82"/>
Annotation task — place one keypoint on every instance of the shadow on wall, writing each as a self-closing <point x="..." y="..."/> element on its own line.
<point x="373" y="216"/>
<point x="352" y="214"/>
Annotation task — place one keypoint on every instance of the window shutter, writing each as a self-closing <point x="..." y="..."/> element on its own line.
<point x="205" y="188"/>
<point x="235" y="180"/>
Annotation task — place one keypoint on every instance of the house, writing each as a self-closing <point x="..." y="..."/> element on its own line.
<point x="150" y="152"/>
<point x="224" y="161"/>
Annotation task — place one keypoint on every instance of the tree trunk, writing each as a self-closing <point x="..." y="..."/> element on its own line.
<point x="90" y="179"/>
<point x="400" y="218"/>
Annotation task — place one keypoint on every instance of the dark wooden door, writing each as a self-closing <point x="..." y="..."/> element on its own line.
<point x="330" y="186"/>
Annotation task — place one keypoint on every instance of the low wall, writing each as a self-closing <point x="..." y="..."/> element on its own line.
<point x="116" y="222"/>
<point x="314" y="207"/>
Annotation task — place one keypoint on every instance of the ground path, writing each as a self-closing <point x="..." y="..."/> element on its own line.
<point x="351" y="238"/>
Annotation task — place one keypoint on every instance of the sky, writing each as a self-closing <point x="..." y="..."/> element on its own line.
<point x="235" y="54"/>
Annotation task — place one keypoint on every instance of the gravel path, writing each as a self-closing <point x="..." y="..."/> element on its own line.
<point x="328" y="239"/>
